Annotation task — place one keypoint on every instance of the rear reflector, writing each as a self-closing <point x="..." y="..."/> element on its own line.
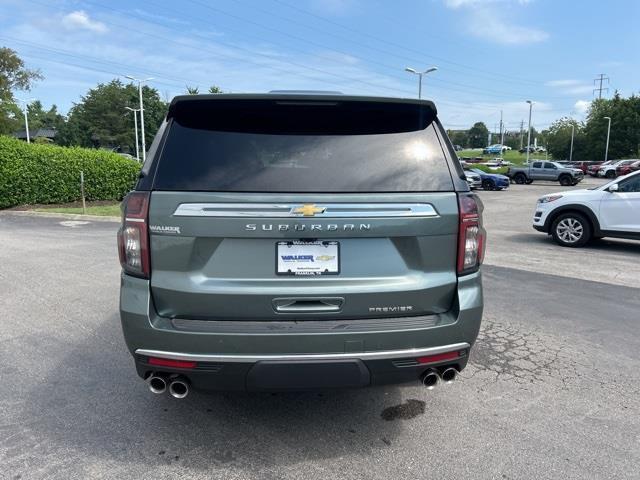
<point x="165" y="362"/>
<point x="439" y="357"/>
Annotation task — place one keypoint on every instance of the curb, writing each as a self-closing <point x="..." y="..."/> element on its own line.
<point x="68" y="216"/>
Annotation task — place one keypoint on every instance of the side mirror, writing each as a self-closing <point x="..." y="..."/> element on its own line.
<point x="613" y="188"/>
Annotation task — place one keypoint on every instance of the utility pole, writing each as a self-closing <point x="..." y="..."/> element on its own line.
<point x="573" y="131"/>
<point x="606" y="149"/>
<point x="521" y="133"/>
<point x="135" y="126"/>
<point x="529" y="134"/>
<point x="602" y="77"/>
<point x="501" y="130"/>
<point x="140" y="82"/>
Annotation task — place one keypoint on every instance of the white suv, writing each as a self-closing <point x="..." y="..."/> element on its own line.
<point x="574" y="217"/>
<point x="610" y="170"/>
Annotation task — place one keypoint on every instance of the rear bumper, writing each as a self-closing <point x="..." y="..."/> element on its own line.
<point x="299" y="355"/>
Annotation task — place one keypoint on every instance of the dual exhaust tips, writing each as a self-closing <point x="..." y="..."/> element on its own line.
<point x="178" y="386"/>
<point x="431" y="377"/>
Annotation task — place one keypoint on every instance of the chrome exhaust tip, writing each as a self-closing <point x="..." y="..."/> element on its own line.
<point x="430" y="379"/>
<point x="449" y="375"/>
<point x="179" y="388"/>
<point x="157" y="384"/>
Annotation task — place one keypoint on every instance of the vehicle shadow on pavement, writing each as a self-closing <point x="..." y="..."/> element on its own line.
<point x="603" y="244"/>
<point x="92" y="408"/>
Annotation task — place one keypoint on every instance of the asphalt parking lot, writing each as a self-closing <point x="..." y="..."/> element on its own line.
<point x="552" y="389"/>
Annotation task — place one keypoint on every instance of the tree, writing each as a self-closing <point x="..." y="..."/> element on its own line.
<point x="41" y="118"/>
<point x="13" y="76"/>
<point x="192" y="90"/>
<point x="459" y="137"/>
<point x="478" y="135"/>
<point x="558" y="139"/>
<point x="215" y="89"/>
<point x="101" y="120"/>
<point x="625" y="127"/>
<point x="11" y="117"/>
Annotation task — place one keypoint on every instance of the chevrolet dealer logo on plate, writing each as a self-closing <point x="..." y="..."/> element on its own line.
<point x="308" y="210"/>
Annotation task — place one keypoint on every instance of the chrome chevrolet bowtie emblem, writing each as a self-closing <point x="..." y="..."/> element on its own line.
<point x="308" y="210"/>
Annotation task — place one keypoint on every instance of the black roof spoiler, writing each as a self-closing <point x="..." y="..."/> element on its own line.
<point x="200" y="101"/>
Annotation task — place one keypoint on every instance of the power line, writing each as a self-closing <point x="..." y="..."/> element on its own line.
<point x="476" y="106"/>
<point x="441" y="59"/>
<point x="393" y="68"/>
<point x="121" y="66"/>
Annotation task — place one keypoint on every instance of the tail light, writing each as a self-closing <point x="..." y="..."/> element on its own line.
<point x="133" y="236"/>
<point x="471" y="234"/>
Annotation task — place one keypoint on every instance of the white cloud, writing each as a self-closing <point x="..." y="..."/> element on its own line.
<point x="574" y="87"/>
<point x="582" y="106"/>
<point x="490" y="25"/>
<point x="611" y="64"/>
<point x="485" y="21"/>
<point x="562" y="83"/>
<point x="79" y="20"/>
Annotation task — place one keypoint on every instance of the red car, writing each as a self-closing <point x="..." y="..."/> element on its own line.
<point x="584" y="166"/>
<point x="593" y="169"/>
<point x="628" y="168"/>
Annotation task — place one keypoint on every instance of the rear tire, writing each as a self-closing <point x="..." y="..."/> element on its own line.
<point x="611" y="174"/>
<point x="565" y="180"/>
<point x="571" y="229"/>
<point x="520" y="178"/>
<point x="488" y="185"/>
<point x="529" y="182"/>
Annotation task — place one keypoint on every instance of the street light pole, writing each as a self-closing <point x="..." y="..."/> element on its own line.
<point x="420" y="74"/>
<point x="26" y="123"/>
<point x="135" y="123"/>
<point x="606" y="150"/>
<point x="26" y="117"/>
<point x="140" y="82"/>
<point x="529" y="134"/>
<point x="573" y="131"/>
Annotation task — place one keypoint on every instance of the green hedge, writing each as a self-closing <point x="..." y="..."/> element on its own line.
<point x="32" y="173"/>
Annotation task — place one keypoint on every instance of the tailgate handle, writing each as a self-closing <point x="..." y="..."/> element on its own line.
<point x="308" y="305"/>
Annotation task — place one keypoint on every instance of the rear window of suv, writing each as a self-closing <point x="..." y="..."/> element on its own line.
<point x="319" y="147"/>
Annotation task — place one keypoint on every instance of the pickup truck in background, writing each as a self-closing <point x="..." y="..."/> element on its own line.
<point x="551" y="171"/>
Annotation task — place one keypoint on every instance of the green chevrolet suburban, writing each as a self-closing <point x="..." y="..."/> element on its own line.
<point x="300" y="241"/>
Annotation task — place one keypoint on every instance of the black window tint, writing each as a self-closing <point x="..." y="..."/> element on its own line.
<point x="631" y="185"/>
<point x="537" y="164"/>
<point x="201" y="159"/>
<point x="550" y="165"/>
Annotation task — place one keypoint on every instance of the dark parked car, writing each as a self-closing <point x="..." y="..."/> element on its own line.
<point x="492" y="181"/>
<point x="271" y="245"/>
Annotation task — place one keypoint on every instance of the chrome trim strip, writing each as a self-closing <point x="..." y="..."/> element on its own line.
<point x="329" y="210"/>
<point x="380" y="355"/>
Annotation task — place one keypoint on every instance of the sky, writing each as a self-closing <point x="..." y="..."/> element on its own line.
<point x="491" y="55"/>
